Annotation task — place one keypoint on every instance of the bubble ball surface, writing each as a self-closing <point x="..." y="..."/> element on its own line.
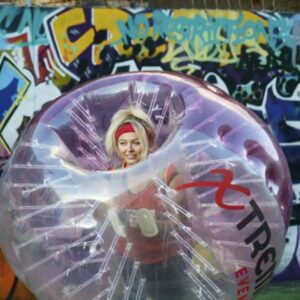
<point x="63" y="212"/>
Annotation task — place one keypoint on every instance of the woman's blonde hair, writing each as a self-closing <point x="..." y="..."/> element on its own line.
<point x="141" y="123"/>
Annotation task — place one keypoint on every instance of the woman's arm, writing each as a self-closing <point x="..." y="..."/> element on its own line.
<point x="173" y="179"/>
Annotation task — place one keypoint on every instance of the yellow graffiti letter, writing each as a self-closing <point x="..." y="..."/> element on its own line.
<point x="69" y="50"/>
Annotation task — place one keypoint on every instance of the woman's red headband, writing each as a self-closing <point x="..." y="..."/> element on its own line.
<point x="126" y="127"/>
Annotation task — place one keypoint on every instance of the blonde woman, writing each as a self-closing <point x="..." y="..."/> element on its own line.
<point x="130" y="137"/>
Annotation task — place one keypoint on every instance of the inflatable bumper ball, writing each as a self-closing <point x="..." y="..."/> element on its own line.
<point x="202" y="216"/>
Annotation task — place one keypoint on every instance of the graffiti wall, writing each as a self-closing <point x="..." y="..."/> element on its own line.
<point x="253" y="56"/>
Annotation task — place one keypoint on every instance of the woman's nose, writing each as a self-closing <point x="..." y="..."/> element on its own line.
<point x="129" y="147"/>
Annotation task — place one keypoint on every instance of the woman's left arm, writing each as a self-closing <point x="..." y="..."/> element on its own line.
<point x="180" y="196"/>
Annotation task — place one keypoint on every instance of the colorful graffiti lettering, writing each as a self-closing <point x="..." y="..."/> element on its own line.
<point x="179" y="37"/>
<point x="26" y="19"/>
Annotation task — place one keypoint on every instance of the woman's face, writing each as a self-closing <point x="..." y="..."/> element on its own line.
<point x="129" y="148"/>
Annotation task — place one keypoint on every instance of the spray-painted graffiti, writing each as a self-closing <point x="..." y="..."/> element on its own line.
<point x="253" y="56"/>
<point x="22" y="98"/>
<point x="22" y="18"/>
<point x="13" y="87"/>
<point x="178" y="37"/>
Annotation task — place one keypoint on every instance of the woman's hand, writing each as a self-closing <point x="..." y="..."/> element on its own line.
<point x="132" y="220"/>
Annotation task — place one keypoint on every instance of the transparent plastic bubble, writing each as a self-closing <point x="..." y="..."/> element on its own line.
<point x="73" y="229"/>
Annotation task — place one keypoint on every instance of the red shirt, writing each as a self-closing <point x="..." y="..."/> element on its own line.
<point x="146" y="250"/>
